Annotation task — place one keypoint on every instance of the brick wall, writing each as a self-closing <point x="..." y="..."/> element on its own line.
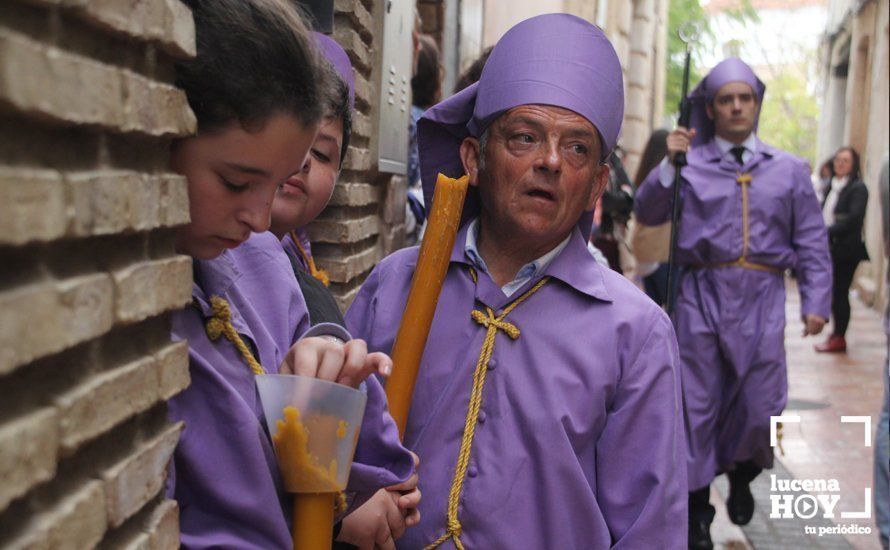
<point x="88" y="273"/>
<point x="366" y="217"/>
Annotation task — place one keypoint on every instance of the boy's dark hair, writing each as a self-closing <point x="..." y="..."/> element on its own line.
<point x="255" y="58"/>
<point x="426" y="84"/>
<point x="473" y="72"/>
<point x="336" y="103"/>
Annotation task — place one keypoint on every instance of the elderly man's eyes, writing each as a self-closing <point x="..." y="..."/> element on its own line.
<point x="523" y="138"/>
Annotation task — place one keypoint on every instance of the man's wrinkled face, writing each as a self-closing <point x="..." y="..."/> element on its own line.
<point x="232" y="177"/>
<point x="538" y="174"/>
<point x="304" y="195"/>
<point x="734" y="111"/>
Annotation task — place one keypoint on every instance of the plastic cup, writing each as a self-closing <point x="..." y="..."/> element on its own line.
<point x="314" y="426"/>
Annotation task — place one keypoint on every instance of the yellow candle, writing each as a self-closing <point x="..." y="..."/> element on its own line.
<point x="314" y="505"/>
<point x="432" y="265"/>
<point x="313" y="521"/>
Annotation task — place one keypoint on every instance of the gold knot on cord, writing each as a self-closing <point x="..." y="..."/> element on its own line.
<point x="220" y="324"/>
<point x="490" y="320"/>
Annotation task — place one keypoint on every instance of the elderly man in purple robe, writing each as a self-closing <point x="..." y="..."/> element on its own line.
<point x="748" y="213"/>
<point x="547" y="407"/>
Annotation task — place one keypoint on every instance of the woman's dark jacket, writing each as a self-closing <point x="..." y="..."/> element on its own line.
<point x="845" y="235"/>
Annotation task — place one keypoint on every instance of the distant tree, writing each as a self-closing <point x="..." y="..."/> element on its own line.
<point x="681" y="12"/>
<point x="789" y="118"/>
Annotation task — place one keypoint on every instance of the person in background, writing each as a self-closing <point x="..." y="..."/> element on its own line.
<point x="473" y="72"/>
<point x="650" y="244"/>
<point x="613" y="214"/>
<point x="822" y="179"/>
<point x="256" y="123"/>
<point x="747" y="214"/>
<point x="426" y="91"/>
<point x="843" y="210"/>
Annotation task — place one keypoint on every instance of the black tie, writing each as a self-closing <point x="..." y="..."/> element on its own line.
<point x="738" y="152"/>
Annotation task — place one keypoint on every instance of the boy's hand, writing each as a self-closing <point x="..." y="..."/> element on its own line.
<point x="382" y="520"/>
<point x="407" y="496"/>
<point x="330" y="359"/>
<point x="374" y="525"/>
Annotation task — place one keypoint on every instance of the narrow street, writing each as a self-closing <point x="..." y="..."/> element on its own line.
<point x="822" y="388"/>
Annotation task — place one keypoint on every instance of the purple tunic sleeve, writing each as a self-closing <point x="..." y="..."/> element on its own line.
<point x="645" y="508"/>
<point x="810" y="242"/>
<point x="653" y="201"/>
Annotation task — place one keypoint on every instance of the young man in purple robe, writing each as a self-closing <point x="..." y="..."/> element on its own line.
<point x="748" y="213"/>
<point x="547" y="408"/>
<point x="256" y="91"/>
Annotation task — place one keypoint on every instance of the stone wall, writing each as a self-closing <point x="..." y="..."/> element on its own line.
<point x="637" y="29"/>
<point x="88" y="273"/>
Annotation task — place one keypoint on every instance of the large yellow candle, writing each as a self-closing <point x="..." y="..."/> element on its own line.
<point x="313" y="521"/>
<point x="432" y="265"/>
<point x="314" y="484"/>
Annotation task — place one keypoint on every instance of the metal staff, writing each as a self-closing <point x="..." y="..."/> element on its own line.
<point x="688" y="34"/>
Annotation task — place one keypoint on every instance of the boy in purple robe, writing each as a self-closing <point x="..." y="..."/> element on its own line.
<point x="748" y="213"/>
<point x="247" y="312"/>
<point x="305" y="194"/>
<point x="547" y="407"/>
<point x="297" y="203"/>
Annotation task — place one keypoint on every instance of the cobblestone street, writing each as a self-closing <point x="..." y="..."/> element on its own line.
<point x="822" y="388"/>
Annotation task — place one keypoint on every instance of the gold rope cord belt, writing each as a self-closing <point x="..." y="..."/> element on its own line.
<point x="492" y="324"/>
<point x="744" y="180"/>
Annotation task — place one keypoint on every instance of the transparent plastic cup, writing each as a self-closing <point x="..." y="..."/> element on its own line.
<point x="314" y="426"/>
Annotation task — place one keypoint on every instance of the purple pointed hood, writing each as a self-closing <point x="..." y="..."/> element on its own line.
<point x="729" y="70"/>
<point x="338" y="58"/>
<point x="552" y="59"/>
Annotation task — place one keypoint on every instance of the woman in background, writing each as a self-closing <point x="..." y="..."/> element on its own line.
<point x="843" y="210"/>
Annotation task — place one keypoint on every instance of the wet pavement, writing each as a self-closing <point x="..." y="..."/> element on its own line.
<point x="822" y="389"/>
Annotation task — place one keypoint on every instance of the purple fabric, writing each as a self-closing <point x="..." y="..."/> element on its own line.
<point x="730" y="321"/>
<point x="729" y="70"/>
<point x="553" y="59"/>
<point x="336" y="55"/>
<point x="580" y="440"/>
<point x="224" y="473"/>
